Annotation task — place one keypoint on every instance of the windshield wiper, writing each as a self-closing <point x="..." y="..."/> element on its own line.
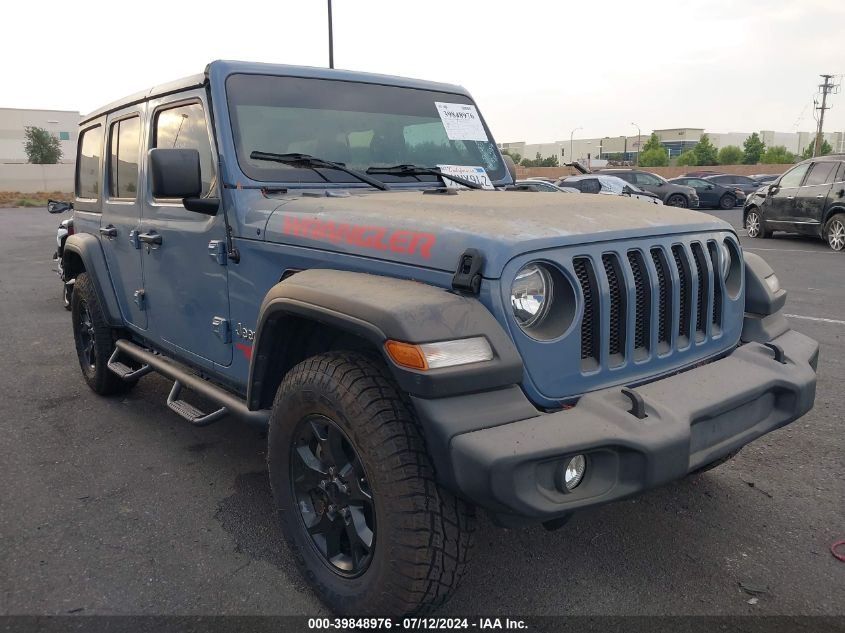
<point x="417" y="170"/>
<point x="311" y="162"/>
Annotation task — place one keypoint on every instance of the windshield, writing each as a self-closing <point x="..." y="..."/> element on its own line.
<point x="358" y="124"/>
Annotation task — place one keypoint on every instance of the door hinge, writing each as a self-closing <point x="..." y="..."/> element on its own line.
<point x="468" y="275"/>
<point x="140" y="299"/>
<point x="217" y="251"/>
<point x="220" y="327"/>
<point x="133" y="238"/>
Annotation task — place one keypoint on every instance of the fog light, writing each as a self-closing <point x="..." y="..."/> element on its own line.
<point x="571" y="473"/>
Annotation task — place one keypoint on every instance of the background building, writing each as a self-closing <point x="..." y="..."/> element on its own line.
<point x="62" y="124"/>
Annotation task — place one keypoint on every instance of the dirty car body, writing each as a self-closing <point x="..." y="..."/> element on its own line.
<point x="636" y="340"/>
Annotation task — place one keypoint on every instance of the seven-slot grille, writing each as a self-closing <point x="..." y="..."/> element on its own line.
<point x="649" y="300"/>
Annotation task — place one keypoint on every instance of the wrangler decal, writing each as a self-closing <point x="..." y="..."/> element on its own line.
<point x="373" y="237"/>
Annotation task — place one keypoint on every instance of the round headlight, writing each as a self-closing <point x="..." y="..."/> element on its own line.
<point x="531" y="295"/>
<point x="725" y="262"/>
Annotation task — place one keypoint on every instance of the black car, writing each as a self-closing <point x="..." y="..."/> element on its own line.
<point x="671" y="194"/>
<point x="734" y="181"/>
<point x="712" y="195"/>
<point x="808" y="199"/>
<point x="765" y="178"/>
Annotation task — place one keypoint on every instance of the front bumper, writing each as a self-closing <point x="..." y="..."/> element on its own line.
<point x="693" y="419"/>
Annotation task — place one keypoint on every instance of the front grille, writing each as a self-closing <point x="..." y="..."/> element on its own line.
<point x="676" y="296"/>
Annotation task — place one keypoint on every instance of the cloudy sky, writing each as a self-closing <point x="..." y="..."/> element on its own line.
<point x="537" y="68"/>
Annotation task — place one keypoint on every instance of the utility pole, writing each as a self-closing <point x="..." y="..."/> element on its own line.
<point x="331" y="38"/>
<point x="826" y="88"/>
<point x="639" y="142"/>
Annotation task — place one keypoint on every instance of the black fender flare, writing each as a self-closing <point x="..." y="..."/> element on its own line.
<point x="88" y="248"/>
<point x="376" y="309"/>
<point x="829" y="213"/>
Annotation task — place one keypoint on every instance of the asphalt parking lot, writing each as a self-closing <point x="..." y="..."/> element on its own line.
<point x="116" y="506"/>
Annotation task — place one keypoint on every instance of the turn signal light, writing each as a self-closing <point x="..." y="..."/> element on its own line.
<point x="440" y="354"/>
<point x="406" y="355"/>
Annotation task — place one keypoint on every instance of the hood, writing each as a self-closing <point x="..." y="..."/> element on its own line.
<point x="434" y="229"/>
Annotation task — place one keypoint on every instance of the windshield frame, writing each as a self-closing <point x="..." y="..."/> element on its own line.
<point x="395" y="182"/>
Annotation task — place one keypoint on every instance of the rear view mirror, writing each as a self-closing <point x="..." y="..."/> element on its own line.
<point x="55" y="206"/>
<point x="510" y="165"/>
<point x="175" y="173"/>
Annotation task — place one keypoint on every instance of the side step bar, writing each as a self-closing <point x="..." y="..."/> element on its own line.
<point x="181" y="377"/>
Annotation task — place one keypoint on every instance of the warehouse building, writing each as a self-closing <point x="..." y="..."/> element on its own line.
<point x="62" y="124"/>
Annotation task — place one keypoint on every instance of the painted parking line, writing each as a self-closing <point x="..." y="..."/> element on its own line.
<point x="789" y="250"/>
<point x="819" y="319"/>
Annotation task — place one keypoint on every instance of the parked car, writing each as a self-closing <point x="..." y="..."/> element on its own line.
<point x="415" y="351"/>
<point x="65" y="229"/>
<point x="540" y="185"/>
<point x="712" y="195"/>
<point x="808" y="199"/>
<point x="672" y="194"/>
<point x="607" y="185"/>
<point x="735" y="181"/>
<point x="765" y="178"/>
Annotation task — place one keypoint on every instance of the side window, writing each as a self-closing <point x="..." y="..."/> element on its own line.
<point x="590" y="185"/>
<point x="841" y="175"/>
<point x="184" y="127"/>
<point x="821" y="174"/>
<point x="625" y="175"/>
<point x="88" y="163"/>
<point x="647" y="179"/>
<point x="793" y="177"/>
<point x="124" y="139"/>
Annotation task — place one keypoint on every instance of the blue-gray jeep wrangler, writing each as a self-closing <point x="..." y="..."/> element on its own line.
<point x="335" y="254"/>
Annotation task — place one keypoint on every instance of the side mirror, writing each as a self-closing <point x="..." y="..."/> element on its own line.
<point x="55" y="206"/>
<point x="709" y="187"/>
<point x="773" y="189"/>
<point x="510" y="165"/>
<point x="175" y="173"/>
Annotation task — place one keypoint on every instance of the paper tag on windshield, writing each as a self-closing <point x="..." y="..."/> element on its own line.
<point x="473" y="174"/>
<point x="461" y="121"/>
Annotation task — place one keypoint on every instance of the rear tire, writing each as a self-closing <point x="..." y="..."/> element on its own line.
<point x="403" y="542"/>
<point x="94" y="339"/>
<point x="834" y="232"/>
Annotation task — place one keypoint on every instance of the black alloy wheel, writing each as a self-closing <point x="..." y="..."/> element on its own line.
<point x="677" y="200"/>
<point x="333" y="496"/>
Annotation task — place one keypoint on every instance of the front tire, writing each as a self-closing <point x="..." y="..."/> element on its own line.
<point x="727" y="202"/>
<point x="368" y="526"/>
<point x="834" y="232"/>
<point x="677" y="200"/>
<point x="94" y="339"/>
<point x="755" y="225"/>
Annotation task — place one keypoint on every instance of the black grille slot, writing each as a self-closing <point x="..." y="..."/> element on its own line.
<point x="618" y="294"/>
<point x="664" y="316"/>
<point x="590" y="322"/>
<point x="715" y="262"/>
<point x="642" y="318"/>
<point x="703" y="288"/>
<point x="682" y="266"/>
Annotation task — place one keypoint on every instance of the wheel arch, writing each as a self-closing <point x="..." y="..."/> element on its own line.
<point x="829" y="213"/>
<point x="84" y="253"/>
<point x="322" y="310"/>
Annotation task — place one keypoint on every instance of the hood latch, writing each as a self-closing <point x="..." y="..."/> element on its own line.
<point x="468" y="275"/>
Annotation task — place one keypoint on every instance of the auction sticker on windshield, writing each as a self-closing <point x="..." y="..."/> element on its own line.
<point x="473" y="174"/>
<point x="461" y="121"/>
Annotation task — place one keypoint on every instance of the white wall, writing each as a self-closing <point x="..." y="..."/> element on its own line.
<point x="12" y="124"/>
<point x="32" y="178"/>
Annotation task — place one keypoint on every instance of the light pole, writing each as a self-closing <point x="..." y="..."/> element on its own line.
<point x="639" y="142"/>
<point x="571" y="134"/>
<point x="331" y="38"/>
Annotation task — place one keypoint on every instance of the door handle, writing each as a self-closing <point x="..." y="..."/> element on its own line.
<point x="821" y="195"/>
<point x="840" y="193"/>
<point x="790" y="197"/>
<point x="150" y="238"/>
<point x="108" y="231"/>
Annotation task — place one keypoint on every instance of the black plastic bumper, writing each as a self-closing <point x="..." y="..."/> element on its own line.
<point x="693" y="418"/>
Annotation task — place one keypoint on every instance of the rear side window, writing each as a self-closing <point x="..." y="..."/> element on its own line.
<point x="88" y="163"/>
<point x="590" y="186"/>
<point x="647" y="179"/>
<point x="184" y="127"/>
<point x="821" y="174"/>
<point x="124" y="139"/>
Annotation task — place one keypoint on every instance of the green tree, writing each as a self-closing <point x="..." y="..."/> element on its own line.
<point x="653" y="142"/>
<point x="808" y="151"/>
<point x="753" y="149"/>
<point x="41" y="147"/>
<point x="730" y="155"/>
<point x="777" y="155"/>
<point x="516" y="156"/>
<point x="705" y="151"/>
<point x="655" y="157"/>
<point x="687" y="159"/>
